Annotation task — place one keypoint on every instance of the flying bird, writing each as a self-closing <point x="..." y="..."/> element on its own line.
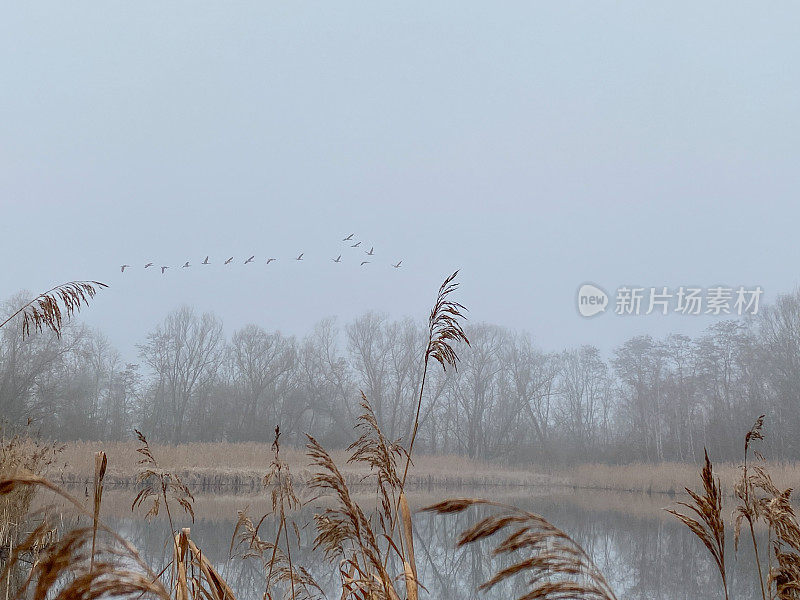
<point x="186" y="265"/>
<point x="269" y="260"/>
<point x="163" y="269"/>
<point x="123" y="267"/>
<point x="229" y="260"/>
<point x="148" y="265"/>
<point x="364" y="262"/>
<point x="371" y="251"/>
<point x="356" y="245"/>
<point x="397" y="266"/>
<point x="348" y="238"/>
<point x="249" y="260"/>
<point x="337" y="259"/>
<point x="300" y="257"/>
<point x="205" y="262"/>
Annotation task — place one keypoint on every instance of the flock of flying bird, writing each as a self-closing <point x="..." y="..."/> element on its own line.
<point x="338" y="259"/>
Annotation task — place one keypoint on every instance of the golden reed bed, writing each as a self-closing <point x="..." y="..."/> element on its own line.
<point x="239" y="463"/>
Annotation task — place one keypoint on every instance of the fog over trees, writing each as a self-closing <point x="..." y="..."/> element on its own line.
<point x="652" y="399"/>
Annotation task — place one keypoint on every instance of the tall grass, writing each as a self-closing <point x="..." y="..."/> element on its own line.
<point x="48" y="310"/>
<point x="22" y="453"/>
<point x="554" y="565"/>
<point x="760" y="501"/>
<point x="276" y="555"/>
<point x="74" y="565"/>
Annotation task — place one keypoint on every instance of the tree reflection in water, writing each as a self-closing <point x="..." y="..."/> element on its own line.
<point x="643" y="557"/>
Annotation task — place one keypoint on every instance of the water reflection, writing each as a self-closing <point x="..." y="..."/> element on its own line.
<point x="647" y="556"/>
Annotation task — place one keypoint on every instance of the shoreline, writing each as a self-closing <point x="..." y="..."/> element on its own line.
<point x="211" y="466"/>
<point x="206" y="467"/>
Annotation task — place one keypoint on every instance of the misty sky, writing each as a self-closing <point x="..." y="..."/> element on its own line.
<point x="536" y="146"/>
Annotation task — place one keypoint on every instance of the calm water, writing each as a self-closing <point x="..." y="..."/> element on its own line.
<point x="643" y="553"/>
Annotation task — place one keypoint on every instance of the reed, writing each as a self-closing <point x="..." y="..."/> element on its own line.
<point x="73" y="565"/>
<point x="196" y="576"/>
<point x="100" y="464"/>
<point x="26" y="453"/>
<point x="554" y="565"/>
<point x="760" y="501"/>
<point x="159" y="484"/>
<point x="709" y="526"/>
<point x="48" y="310"/>
<point x="276" y="555"/>
<point x="364" y="544"/>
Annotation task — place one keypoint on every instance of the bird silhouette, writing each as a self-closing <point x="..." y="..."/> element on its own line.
<point x="186" y="265"/>
<point x="148" y="265"/>
<point x="371" y="251"/>
<point x="269" y="260"/>
<point x="348" y="238"/>
<point x="205" y="262"/>
<point x="227" y="262"/>
<point x="364" y="262"/>
<point x="123" y="267"/>
<point x="163" y="269"/>
<point x="249" y="260"/>
<point x="356" y="245"/>
<point x="300" y="257"/>
<point x="397" y="266"/>
<point x="337" y="259"/>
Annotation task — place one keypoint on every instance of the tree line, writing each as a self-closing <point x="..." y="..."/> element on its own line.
<point x="650" y="400"/>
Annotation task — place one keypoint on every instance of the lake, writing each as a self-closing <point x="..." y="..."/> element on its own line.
<point x="643" y="552"/>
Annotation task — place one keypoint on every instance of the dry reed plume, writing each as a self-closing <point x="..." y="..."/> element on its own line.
<point x="77" y="565"/>
<point x="444" y="328"/>
<point x="759" y="500"/>
<point x="363" y="545"/>
<point x="22" y="454"/>
<point x="557" y="567"/>
<point x="48" y="310"/>
<point x="159" y="484"/>
<point x="710" y="528"/>
<point x="276" y="559"/>
<point x="74" y="566"/>
<point x="560" y="567"/>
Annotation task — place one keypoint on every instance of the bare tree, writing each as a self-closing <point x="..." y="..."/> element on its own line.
<point x="325" y="382"/>
<point x="367" y="347"/>
<point x="184" y="353"/>
<point x="583" y="385"/>
<point x="779" y="327"/>
<point x="532" y="378"/>
<point x="478" y="391"/>
<point x="639" y="365"/>
<point x="263" y="365"/>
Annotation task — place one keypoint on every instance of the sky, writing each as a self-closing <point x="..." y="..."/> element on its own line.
<point x="535" y="146"/>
